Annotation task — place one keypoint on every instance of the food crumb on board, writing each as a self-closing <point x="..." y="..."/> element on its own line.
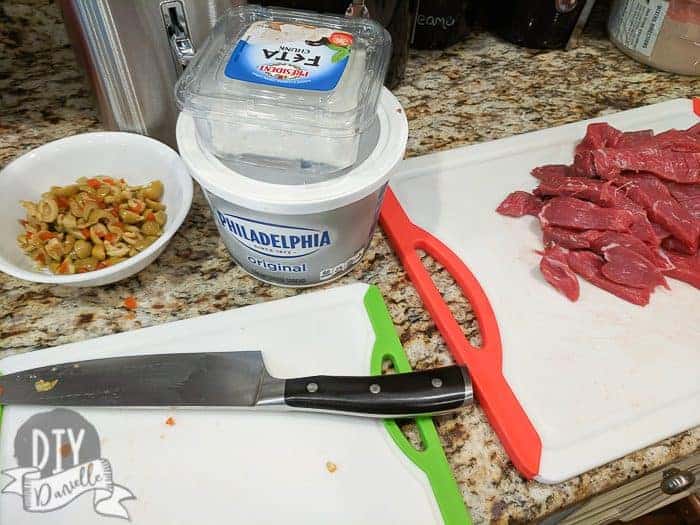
<point x="170" y="421"/>
<point x="130" y="303"/>
<point x="45" y="386"/>
<point x="331" y="467"/>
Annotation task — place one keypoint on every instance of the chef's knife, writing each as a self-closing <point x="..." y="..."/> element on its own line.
<point x="233" y="379"/>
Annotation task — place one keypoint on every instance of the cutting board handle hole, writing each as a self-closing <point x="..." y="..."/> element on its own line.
<point x="453" y="297"/>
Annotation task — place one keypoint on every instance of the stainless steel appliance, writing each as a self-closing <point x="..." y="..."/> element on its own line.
<point x="133" y="51"/>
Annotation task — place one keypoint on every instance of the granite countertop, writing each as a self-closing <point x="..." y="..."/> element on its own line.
<point x="478" y="90"/>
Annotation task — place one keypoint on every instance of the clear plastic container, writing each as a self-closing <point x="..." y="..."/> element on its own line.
<point x="664" y="34"/>
<point x="286" y="92"/>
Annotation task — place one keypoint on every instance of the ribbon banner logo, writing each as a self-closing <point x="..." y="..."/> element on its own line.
<point x="58" y="460"/>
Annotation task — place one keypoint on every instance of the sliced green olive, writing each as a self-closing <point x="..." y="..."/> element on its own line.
<point x="150" y="228"/>
<point x="154" y="205"/>
<point x="54" y="249"/>
<point x="68" y="243"/>
<point x="87" y="264"/>
<point x="129" y="216"/>
<point x="154" y="190"/>
<point x="98" y="252"/>
<point x="82" y="249"/>
<point x="69" y="221"/>
<point x="47" y="210"/>
<point x="161" y="217"/>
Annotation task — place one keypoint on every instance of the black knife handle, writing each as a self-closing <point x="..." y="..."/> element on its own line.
<point x="395" y="395"/>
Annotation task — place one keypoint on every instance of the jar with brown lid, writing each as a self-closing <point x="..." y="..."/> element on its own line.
<point x="664" y="34"/>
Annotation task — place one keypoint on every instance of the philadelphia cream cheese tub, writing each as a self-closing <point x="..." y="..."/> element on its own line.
<point x="299" y="234"/>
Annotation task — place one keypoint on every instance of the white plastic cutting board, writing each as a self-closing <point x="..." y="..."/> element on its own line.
<point x="598" y="378"/>
<point x="226" y="466"/>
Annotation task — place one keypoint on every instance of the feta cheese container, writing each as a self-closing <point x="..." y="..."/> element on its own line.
<point x="300" y="234"/>
<point x="289" y="92"/>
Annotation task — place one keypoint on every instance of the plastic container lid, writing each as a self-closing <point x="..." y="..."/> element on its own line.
<point x="289" y="70"/>
<point x="385" y="150"/>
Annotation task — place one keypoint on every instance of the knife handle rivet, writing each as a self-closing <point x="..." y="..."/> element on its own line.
<point x="436" y="382"/>
<point x="311" y="387"/>
<point x="375" y="388"/>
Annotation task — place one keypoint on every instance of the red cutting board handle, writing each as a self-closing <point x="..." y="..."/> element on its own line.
<point x="519" y="437"/>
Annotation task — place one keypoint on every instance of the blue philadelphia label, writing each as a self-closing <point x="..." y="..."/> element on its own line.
<point x="275" y="240"/>
<point x="281" y="55"/>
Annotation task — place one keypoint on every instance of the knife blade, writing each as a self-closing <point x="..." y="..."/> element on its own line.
<point x="233" y="379"/>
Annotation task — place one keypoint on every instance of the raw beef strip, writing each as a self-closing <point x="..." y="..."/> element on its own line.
<point x="582" y="188"/>
<point x="672" y="139"/>
<point x="678" y="220"/>
<point x="660" y="232"/>
<point x="627" y="267"/>
<point x="552" y="172"/>
<point x="687" y="268"/>
<point x="692" y="206"/>
<point x="650" y="193"/>
<point x="598" y="135"/>
<point x="520" y="203"/>
<point x="556" y="271"/>
<point x="607" y="239"/>
<point x="569" y="239"/>
<point x="583" y="164"/>
<point x="632" y="139"/>
<point x="581" y="215"/>
<point x="670" y="165"/>
<point x="676" y="140"/>
<point x="588" y="264"/>
<point x="642" y="228"/>
<point x="673" y="244"/>
<point x="603" y="194"/>
<point x="694" y="130"/>
<point x="684" y="192"/>
<point x="688" y="195"/>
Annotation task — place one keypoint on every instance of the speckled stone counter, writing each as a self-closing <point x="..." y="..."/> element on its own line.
<point x="479" y="90"/>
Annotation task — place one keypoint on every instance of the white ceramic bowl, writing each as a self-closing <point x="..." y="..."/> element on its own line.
<point x="136" y="158"/>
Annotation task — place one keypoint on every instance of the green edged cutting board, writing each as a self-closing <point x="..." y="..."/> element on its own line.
<point x="184" y="466"/>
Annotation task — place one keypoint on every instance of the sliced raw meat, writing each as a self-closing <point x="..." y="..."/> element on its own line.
<point x="650" y="193"/>
<point x="599" y="135"/>
<point x="692" y="206"/>
<point x="583" y="164"/>
<point x="581" y="215"/>
<point x="627" y="267"/>
<point x="579" y="187"/>
<point x="694" y="130"/>
<point x="684" y="192"/>
<point x="588" y="265"/>
<point x="676" y="140"/>
<point x="677" y="220"/>
<point x="606" y="239"/>
<point x="687" y="268"/>
<point x="677" y="166"/>
<point x="688" y="195"/>
<point x="642" y="228"/>
<point x="631" y="139"/>
<point x="552" y="172"/>
<point x="660" y="232"/>
<point x="673" y="244"/>
<point x="520" y="203"/>
<point x="555" y="270"/>
<point x="569" y="239"/>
